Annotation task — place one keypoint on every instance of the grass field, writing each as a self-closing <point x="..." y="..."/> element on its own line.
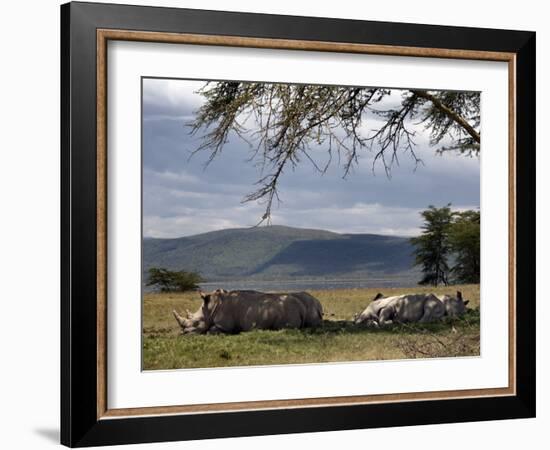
<point x="337" y="340"/>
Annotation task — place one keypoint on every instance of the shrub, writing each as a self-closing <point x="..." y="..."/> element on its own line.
<point x="173" y="281"/>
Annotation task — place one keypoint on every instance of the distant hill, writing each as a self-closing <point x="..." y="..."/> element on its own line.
<point x="278" y="252"/>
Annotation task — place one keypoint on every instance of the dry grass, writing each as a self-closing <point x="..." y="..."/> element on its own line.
<point x="337" y="340"/>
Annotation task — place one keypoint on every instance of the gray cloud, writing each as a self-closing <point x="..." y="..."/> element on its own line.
<point x="181" y="197"/>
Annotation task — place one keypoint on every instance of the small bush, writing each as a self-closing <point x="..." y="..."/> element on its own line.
<point x="173" y="281"/>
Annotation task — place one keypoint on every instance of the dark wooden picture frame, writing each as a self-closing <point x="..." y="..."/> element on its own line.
<point x="86" y="419"/>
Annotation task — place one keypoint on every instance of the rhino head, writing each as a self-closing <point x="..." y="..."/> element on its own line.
<point x="200" y="321"/>
<point x="454" y="306"/>
<point x="366" y="318"/>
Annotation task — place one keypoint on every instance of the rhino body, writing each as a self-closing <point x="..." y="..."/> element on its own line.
<point x="314" y="309"/>
<point x="411" y="308"/>
<point x="236" y="311"/>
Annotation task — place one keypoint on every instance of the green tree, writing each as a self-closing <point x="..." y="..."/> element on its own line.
<point x="285" y="123"/>
<point x="170" y="281"/>
<point x="433" y="247"/>
<point x="464" y="239"/>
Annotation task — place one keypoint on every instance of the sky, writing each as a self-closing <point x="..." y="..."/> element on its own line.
<point x="183" y="197"/>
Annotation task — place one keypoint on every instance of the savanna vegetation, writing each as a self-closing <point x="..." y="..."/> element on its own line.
<point x="339" y="339"/>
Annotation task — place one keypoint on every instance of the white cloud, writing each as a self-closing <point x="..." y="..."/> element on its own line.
<point x="197" y="220"/>
<point x="164" y="92"/>
<point x="160" y="117"/>
<point x="360" y="218"/>
<point x="166" y="175"/>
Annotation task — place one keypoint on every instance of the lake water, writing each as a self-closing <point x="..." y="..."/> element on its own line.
<point x="303" y="285"/>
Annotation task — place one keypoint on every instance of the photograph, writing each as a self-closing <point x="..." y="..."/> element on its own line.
<point x="282" y="223"/>
<point x="287" y="223"/>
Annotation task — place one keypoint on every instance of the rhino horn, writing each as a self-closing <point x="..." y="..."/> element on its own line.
<point x="179" y="319"/>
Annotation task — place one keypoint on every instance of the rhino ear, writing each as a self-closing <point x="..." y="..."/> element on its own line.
<point x="466" y="302"/>
<point x="459" y="295"/>
<point x="378" y="296"/>
<point x="202" y="294"/>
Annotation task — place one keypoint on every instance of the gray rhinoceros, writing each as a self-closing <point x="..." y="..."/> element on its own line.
<point x="235" y="311"/>
<point x="411" y="308"/>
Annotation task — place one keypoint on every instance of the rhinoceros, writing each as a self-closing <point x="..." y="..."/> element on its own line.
<point x="411" y="308"/>
<point x="235" y="311"/>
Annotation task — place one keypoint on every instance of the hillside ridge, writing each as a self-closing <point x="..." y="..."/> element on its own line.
<point x="276" y="252"/>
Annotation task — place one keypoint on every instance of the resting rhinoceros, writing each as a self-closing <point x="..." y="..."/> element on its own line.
<point x="411" y="308"/>
<point x="235" y="311"/>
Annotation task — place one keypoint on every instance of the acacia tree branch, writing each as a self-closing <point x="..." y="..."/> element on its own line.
<point x="449" y="113"/>
<point x="293" y="121"/>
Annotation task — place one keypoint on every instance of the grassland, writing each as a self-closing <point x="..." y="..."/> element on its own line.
<point x="337" y="340"/>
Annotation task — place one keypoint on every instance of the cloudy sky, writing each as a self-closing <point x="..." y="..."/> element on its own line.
<point x="181" y="197"/>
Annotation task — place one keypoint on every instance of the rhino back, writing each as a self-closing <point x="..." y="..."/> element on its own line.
<point x="376" y="306"/>
<point x="244" y="311"/>
<point x="414" y="307"/>
<point x="313" y="307"/>
<point x="410" y="308"/>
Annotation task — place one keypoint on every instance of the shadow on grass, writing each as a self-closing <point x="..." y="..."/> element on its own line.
<point x="468" y="320"/>
<point x="339" y="327"/>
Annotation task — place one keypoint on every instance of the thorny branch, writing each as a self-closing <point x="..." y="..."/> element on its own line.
<point x="284" y="124"/>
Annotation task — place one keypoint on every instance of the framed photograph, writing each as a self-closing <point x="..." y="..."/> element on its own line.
<point x="276" y="224"/>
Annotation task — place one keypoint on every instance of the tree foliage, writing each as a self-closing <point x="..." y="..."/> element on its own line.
<point x="464" y="239"/>
<point x="433" y="247"/>
<point x="284" y="123"/>
<point x="173" y="281"/>
<point x="448" y="236"/>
